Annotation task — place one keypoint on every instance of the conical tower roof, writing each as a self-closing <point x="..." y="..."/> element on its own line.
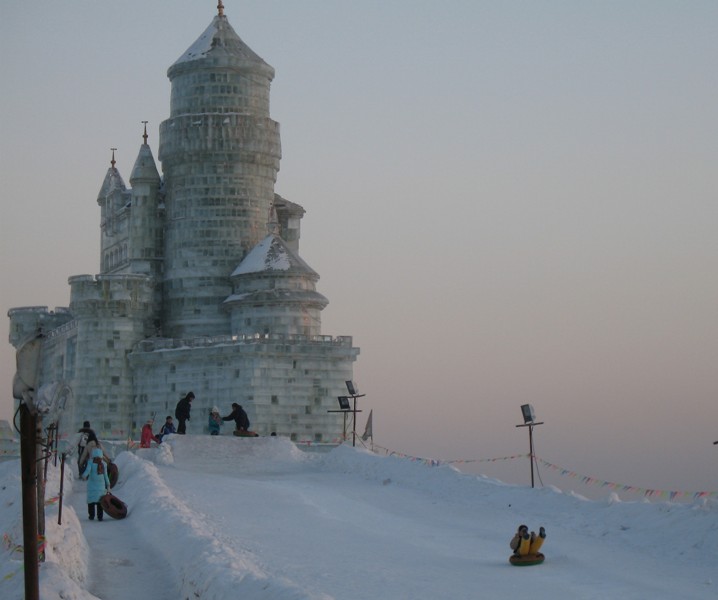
<point x="113" y="181"/>
<point x="272" y="258"/>
<point x="145" y="167"/>
<point x="220" y="45"/>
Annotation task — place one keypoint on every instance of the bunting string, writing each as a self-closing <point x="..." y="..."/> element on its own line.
<point x="620" y="487"/>
<point x="585" y="479"/>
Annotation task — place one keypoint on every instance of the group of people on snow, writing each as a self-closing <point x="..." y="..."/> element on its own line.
<point x="215" y="421"/>
<point x="86" y="439"/>
<point x="93" y="462"/>
<point x="183" y="412"/>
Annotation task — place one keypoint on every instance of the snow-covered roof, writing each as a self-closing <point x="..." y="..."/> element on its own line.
<point x="221" y="39"/>
<point x="289" y="207"/>
<point x="273" y="254"/>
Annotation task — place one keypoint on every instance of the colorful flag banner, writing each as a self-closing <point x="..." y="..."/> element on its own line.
<point x="585" y="479"/>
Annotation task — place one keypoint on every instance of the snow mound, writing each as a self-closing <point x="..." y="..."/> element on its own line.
<point x="229" y="455"/>
<point x="261" y="518"/>
<point x="205" y="567"/>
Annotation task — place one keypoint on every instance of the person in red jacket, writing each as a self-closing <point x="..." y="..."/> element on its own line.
<point x="147" y="437"/>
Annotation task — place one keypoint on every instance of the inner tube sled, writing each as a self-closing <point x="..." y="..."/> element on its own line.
<point x="113" y="506"/>
<point x="245" y="433"/>
<point x="526" y="560"/>
<point x="113" y="474"/>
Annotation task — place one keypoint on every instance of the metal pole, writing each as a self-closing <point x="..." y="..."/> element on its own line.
<point x="531" y="445"/>
<point x="354" y="422"/>
<point x="531" y="452"/>
<point x="28" y="461"/>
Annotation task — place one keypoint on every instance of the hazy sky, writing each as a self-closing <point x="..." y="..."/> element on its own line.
<point x="507" y="203"/>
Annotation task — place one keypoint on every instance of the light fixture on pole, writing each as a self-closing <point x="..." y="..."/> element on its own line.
<point x="530" y="421"/>
<point x="354" y="394"/>
<point x="344" y="408"/>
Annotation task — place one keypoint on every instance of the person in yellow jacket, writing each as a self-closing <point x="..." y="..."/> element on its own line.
<point x="524" y="543"/>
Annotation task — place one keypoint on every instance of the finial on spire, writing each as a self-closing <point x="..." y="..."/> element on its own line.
<point x="273" y="221"/>
<point x="220" y="8"/>
<point x="144" y="135"/>
<point x="112" y="162"/>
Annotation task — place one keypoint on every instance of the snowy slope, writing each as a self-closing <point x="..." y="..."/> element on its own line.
<point x="259" y="518"/>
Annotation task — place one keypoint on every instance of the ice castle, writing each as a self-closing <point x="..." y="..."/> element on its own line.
<point x="201" y="287"/>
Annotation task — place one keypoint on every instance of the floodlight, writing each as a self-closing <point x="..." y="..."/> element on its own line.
<point x="344" y="403"/>
<point x="528" y="412"/>
<point x="28" y="363"/>
<point x="351" y="388"/>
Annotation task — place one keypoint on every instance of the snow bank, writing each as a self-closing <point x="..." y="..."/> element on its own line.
<point x="205" y="567"/>
<point x="64" y="572"/>
<point x="635" y="535"/>
<point x="642" y="525"/>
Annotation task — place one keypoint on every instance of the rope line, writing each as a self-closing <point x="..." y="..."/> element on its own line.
<point x="563" y="472"/>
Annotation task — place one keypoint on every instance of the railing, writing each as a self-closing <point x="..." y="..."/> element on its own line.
<point x="64" y="328"/>
<point x="151" y="345"/>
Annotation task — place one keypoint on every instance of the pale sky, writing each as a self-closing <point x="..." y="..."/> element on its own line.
<point x="507" y="203"/>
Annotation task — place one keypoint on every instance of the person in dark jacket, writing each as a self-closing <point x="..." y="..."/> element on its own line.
<point x="167" y="428"/>
<point x="182" y="412"/>
<point x="240" y="418"/>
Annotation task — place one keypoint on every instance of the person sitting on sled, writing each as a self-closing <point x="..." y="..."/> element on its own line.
<point x="524" y="543"/>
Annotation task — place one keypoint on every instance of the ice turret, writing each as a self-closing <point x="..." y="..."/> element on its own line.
<point x="275" y="292"/>
<point x="114" y="200"/>
<point x="146" y="227"/>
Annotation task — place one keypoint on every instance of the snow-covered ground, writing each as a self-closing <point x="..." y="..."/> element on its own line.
<point x="224" y="517"/>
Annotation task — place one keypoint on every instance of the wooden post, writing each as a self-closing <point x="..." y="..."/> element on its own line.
<point x="28" y="461"/>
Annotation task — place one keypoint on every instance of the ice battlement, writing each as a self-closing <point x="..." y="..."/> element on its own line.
<point x="30" y="320"/>
<point x="157" y="344"/>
